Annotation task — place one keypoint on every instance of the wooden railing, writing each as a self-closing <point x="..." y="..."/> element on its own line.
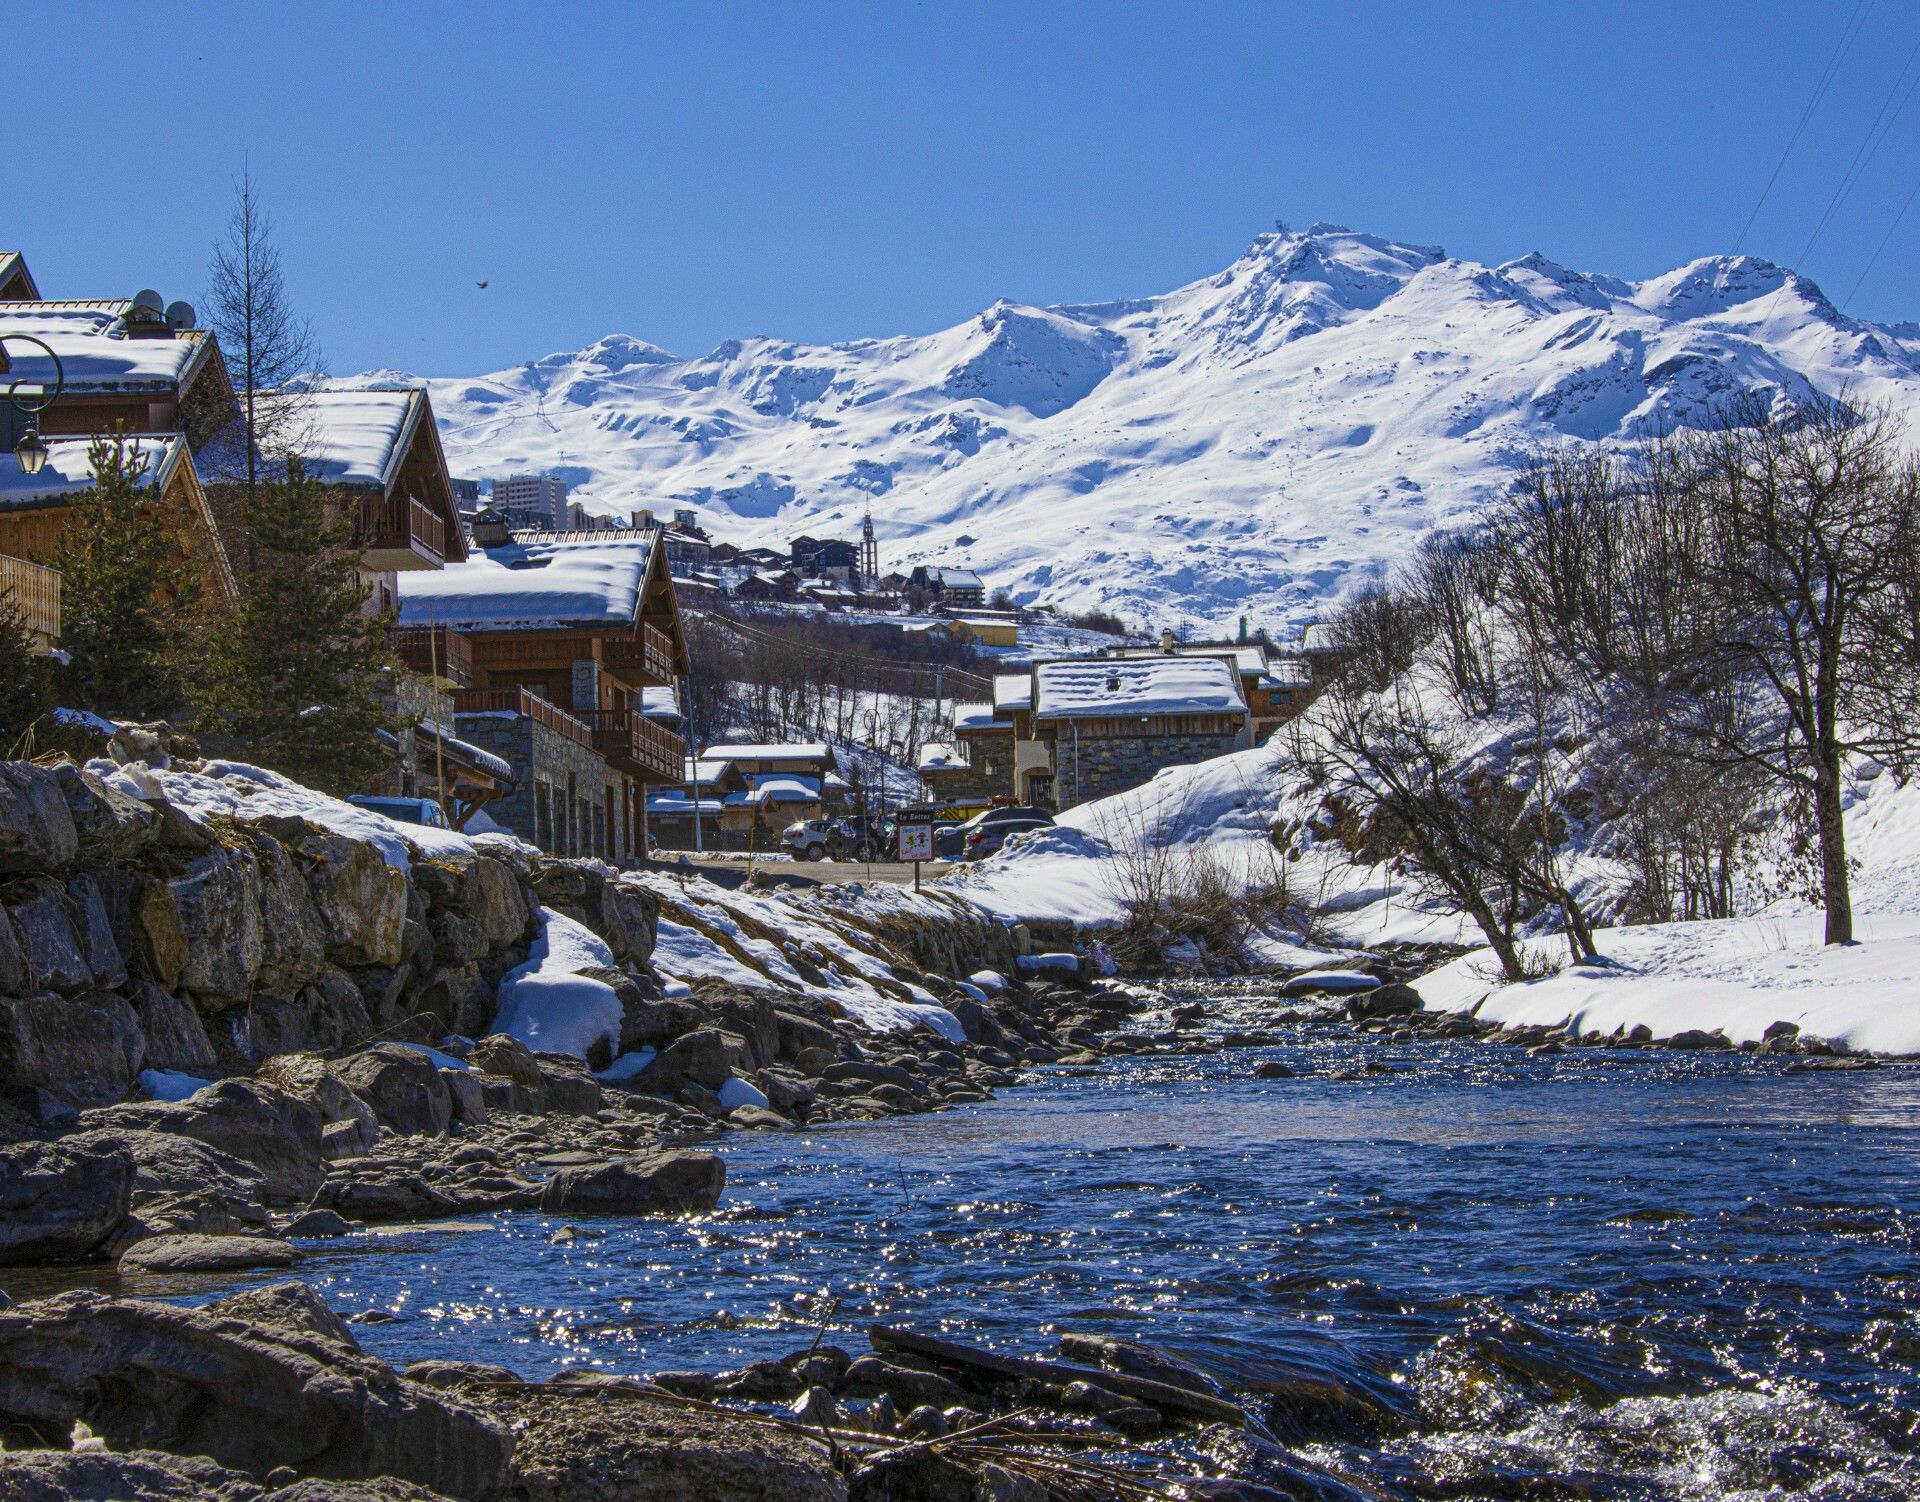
<point x="431" y="650"/>
<point x="35" y="589"/>
<point x="399" y="521"/>
<point x="635" y="740"/>
<point x="523" y="702"/>
<point x="648" y="652"/>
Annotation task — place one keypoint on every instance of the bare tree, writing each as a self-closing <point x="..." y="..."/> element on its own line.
<point x="268" y="346"/>
<point x="1813" y="520"/>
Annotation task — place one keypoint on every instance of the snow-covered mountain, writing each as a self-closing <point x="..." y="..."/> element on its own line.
<point x="1250" y="443"/>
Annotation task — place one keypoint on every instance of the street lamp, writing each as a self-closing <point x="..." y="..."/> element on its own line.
<point x="31" y="450"/>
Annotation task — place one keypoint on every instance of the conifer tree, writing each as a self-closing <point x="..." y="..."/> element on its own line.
<point x="25" y="690"/>
<point x="130" y="598"/>
<point x="297" y="674"/>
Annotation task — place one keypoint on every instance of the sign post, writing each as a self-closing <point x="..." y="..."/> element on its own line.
<point x="916" y="845"/>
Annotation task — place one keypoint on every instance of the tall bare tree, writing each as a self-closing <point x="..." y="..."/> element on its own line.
<point x="268" y="346"/>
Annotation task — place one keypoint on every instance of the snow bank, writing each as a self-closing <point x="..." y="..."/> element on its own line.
<point x="548" y="1004"/>
<point x="170" y="1084"/>
<point x="1736" y="976"/>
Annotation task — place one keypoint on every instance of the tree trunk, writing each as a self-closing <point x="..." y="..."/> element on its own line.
<point x="1836" y="891"/>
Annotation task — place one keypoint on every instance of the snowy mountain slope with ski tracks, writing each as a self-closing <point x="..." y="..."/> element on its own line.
<point x="1253" y="442"/>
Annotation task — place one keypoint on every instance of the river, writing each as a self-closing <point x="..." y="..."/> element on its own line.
<point x="1640" y="1274"/>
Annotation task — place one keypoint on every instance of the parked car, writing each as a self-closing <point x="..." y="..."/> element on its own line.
<point x="859" y="838"/>
<point x="809" y="839"/>
<point x="949" y="844"/>
<point x="984" y="834"/>
<point x="404" y="810"/>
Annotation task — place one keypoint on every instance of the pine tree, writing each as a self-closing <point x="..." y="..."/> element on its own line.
<point x="130" y="598"/>
<point x="25" y="690"/>
<point x="297" y="674"/>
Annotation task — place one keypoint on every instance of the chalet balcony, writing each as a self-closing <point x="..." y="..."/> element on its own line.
<point x="521" y="702"/>
<point x="35" y="589"/>
<point x="636" y="745"/>
<point x="397" y="532"/>
<point x="434" y="652"/>
<point x="644" y="659"/>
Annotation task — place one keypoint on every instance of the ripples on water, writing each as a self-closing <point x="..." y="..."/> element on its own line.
<point x="1595" y="1275"/>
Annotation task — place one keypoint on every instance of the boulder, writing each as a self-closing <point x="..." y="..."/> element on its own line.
<point x="626" y="916"/>
<point x="44" y="917"/>
<point x="1394" y="999"/>
<point x="643" y="1449"/>
<point x="93" y="927"/>
<point x="60" y="1201"/>
<point x="251" y="1386"/>
<point x="469" y="1101"/>
<point x="474" y="907"/>
<point x="111" y="827"/>
<point x="457" y="998"/>
<point x="36" y="826"/>
<point x="502" y="1053"/>
<point x="277" y="1133"/>
<point x="360" y="899"/>
<point x="180" y="1185"/>
<point x="99" y="1475"/>
<point x="571" y="1090"/>
<point x="656" y="1183"/>
<point x="172" y="1030"/>
<point x="216" y="901"/>
<point x="68" y="1052"/>
<point x="307" y="1076"/>
<point x="13" y="959"/>
<point x="197" y="1252"/>
<point x="292" y="946"/>
<point x="402" y="1085"/>
<point x="699" y="1057"/>
<point x="159" y="936"/>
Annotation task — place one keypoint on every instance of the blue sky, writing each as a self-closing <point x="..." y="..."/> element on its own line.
<point x="693" y="173"/>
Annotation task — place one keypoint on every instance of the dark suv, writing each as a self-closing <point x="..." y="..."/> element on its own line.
<point x="984" y="834"/>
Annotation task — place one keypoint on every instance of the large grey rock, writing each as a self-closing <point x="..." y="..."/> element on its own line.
<point x="475" y="907"/>
<point x="13" y="959"/>
<point x="402" y="1085"/>
<point x="360" y="899"/>
<point x="74" y="1051"/>
<point x="627" y="917"/>
<point x="101" y="1476"/>
<point x="216" y="902"/>
<point x="60" y="1201"/>
<point x="110" y="826"/>
<point x="658" y="1183"/>
<point x="569" y="1088"/>
<point x="308" y="1076"/>
<point x="175" y="1036"/>
<point x="248" y="1394"/>
<point x="699" y="1057"/>
<point x="36" y="826"/>
<point x="181" y="1185"/>
<point x="276" y="1132"/>
<point x="93" y="927"/>
<point x="199" y="1252"/>
<point x="44" y="918"/>
<point x="642" y="1449"/>
<point x="292" y="944"/>
<point x="159" y="936"/>
<point x="1394" y="999"/>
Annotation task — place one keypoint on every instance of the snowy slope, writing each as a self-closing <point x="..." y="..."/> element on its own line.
<point x="1250" y="442"/>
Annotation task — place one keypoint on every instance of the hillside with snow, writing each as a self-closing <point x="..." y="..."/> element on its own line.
<point x="1252" y="442"/>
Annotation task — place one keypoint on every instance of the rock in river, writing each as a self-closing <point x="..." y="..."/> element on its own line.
<point x="197" y="1253"/>
<point x="646" y="1184"/>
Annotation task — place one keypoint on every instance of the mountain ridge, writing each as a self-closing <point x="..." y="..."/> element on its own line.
<point x="1253" y="442"/>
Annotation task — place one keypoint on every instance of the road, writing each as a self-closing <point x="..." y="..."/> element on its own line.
<point x="732" y="872"/>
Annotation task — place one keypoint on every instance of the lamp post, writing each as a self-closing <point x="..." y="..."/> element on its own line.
<point x="31" y="450"/>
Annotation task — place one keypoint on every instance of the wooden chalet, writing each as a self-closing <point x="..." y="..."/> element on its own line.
<point x="578" y="623"/>
<point x="35" y="509"/>
<point x="16" y="282"/>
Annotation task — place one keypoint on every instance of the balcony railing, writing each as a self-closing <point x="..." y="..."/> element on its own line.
<point x="399" y="523"/>
<point x="434" y="651"/>
<point x="522" y="702"/>
<point x="637" y="743"/>
<point x="36" y="596"/>
<point x="648" y="652"/>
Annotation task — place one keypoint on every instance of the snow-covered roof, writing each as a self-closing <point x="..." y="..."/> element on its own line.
<point x="354" y="439"/>
<point x="69" y="469"/>
<point x="672" y="801"/>
<point x="936" y="757"/>
<point x="972" y="716"/>
<point x="954" y="578"/>
<point x="432" y="733"/>
<point x="786" y="787"/>
<point x="706" y="770"/>
<point x="818" y="751"/>
<point x="660" y="703"/>
<point x="1136" y="686"/>
<point x="96" y="352"/>
<point x="526" y="585"/>
<point x="1012" y="691"/>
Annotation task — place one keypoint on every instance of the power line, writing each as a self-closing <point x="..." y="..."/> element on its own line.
<point x="1870" y="143"/>
<point x="1847" y="35"/>
<point x="1884" y="239"/>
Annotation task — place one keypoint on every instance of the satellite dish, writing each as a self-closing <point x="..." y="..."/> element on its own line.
<point x="180" y="315"/>
<point x="148" y="299"/>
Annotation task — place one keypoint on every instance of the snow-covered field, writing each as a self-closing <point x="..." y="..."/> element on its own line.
<point x="1251" y="442"/>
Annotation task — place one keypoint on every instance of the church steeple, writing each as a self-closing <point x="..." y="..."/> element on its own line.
<point x="869" y="550"/>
